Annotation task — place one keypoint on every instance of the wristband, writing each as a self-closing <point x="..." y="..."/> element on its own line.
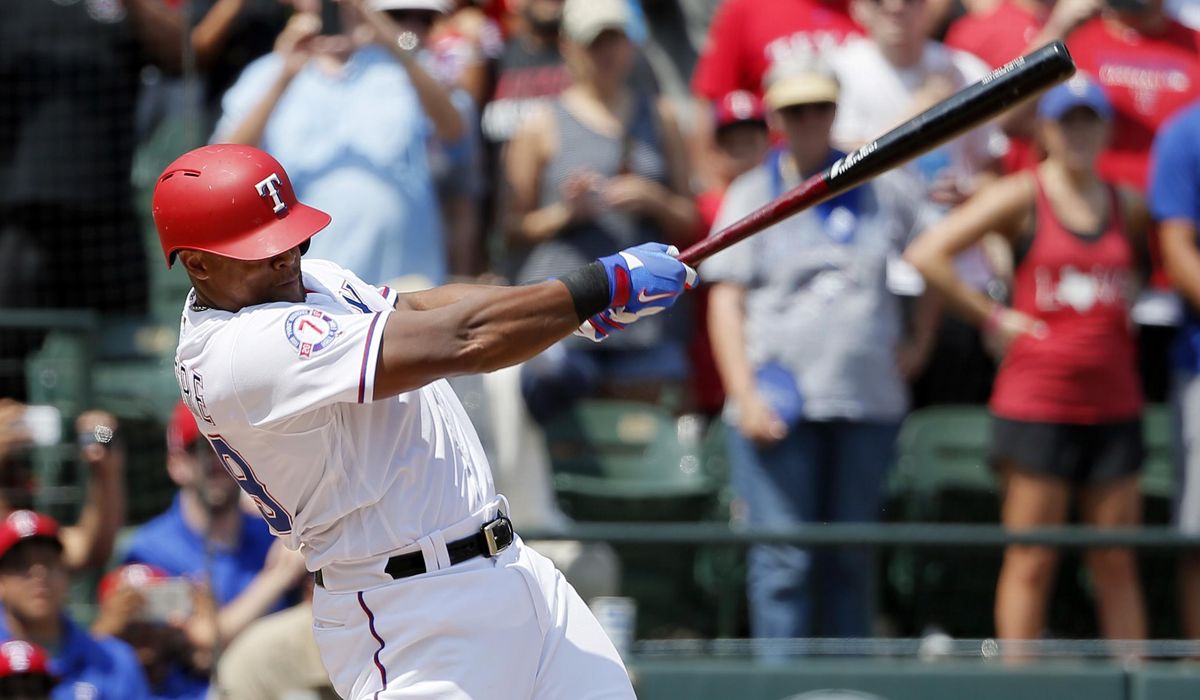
<point x="589" y="290"/>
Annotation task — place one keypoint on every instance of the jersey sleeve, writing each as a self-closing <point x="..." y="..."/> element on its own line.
<point x="719" y="68"/>
<point x="290" y="359"/>
<point x="1173" y="171"/>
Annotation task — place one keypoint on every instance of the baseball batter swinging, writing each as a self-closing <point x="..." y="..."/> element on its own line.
<point x="325" y="398"/>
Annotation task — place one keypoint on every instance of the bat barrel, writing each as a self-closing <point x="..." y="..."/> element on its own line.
<point x="1008" y="85"/>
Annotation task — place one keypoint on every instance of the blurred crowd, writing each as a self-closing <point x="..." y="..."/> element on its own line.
<point x="1045" y="264"/>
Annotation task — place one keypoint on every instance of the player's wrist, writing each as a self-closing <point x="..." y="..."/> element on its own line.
<point x="589" y="288"/>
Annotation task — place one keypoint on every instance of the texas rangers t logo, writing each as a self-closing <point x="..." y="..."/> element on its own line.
<point x="269" y="187"/>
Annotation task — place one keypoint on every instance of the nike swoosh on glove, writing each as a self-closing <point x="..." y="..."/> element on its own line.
<point x="644" y="280"/>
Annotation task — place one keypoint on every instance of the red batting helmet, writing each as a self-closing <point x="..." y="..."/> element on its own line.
<point x="231" y="200"/>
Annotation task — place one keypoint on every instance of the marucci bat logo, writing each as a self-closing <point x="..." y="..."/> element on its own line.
<point x="844" y="164"/>
<point x="1003" y="70"/>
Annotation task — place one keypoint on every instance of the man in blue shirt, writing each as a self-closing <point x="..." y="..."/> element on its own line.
<point x="249" y="573"/>
<point x="1175" y="204"/>
<point x="33" y="593"/>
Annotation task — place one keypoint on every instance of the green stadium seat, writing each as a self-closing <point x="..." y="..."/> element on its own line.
<point x="624" y="460"/>
<point x="627" y="461"/>
<point x="942" y="476"/>
<point x="1158" y="477"/>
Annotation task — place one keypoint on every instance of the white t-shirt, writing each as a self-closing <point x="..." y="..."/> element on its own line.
<point x="877" y="96"/>
<point x="283" y="391"/>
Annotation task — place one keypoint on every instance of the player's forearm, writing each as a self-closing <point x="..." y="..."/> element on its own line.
<point x="481" y="329"/>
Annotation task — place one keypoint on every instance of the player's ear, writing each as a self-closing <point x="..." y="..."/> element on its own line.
<point x="195" y="262"/>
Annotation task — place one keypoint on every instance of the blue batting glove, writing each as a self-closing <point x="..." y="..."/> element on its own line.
<point x="644" y="280"/>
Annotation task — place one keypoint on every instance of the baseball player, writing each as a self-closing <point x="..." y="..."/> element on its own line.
<point x="325" y="398"/>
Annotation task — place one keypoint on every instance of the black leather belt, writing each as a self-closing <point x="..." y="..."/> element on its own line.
<point x="493" y="537"/>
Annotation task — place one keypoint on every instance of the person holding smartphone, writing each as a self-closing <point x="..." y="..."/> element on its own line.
<point x="88" y="543"/>
<point x="250" y="574"/>
<point x="33" y="594"/>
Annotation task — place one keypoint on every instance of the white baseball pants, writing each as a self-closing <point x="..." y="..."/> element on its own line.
<point x="488" y="629"/>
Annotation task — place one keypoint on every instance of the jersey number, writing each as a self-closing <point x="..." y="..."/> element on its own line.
<point x="272" y="512"/>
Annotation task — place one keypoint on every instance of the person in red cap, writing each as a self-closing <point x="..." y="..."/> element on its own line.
<point x="742" y="141"/>
<point x="33" y="594"/>
<point x="249" y="575"/>
<point x="25" y="672"/>
<point x="147" y="608"/>
<point x="326" y="399"/>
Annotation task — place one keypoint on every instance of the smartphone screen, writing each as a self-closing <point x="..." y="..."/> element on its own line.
<point x="167" y="599"/>
<point x="331" y="18"/>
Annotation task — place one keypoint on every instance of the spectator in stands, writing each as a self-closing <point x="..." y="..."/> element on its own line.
<point x="1067" y="402"/>
<point x="887" y="76"/>
<point x="895" y="72"/>
<point x="228" y="35"/>
<point x="349" y="115"/>
<point x="249" y="574"/>
<point x="814" y="406"/>
<point x="603" y="168"/>
<point x="744" y="39"/>
<point x="460" y="63"/>
<point x="89" y="542"/>
<point x="25" y="672"/>
<point x="33" y="593"/>
<point x="1175" y="204"/>
<point x="69" y="235"/>
<point x="275" y="657"/>
<point x="1149" y="65"/>
<point x="742" y="139"/>
<point x="1010" y="29"/>
<point x="465" y="44"/>
<point x="147" y="609"/>
<point x="530" y="75"/>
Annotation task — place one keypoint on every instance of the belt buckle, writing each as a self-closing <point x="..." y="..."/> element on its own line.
<point x="489" y="535"/>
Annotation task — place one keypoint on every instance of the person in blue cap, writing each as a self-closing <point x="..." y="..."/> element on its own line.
<point x="33" y="593"/>
<point x="1067" y="401"/>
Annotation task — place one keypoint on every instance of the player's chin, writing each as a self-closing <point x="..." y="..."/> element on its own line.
<point x="291" y="290"/>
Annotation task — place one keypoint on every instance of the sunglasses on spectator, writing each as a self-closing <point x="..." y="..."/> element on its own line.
<point x="822" y="109"/>
<point x="423" y="17"/>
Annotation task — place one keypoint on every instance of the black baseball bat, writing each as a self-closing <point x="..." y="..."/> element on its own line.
<point x="966" y="109"/>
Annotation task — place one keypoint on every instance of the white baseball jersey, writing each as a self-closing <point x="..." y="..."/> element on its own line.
<point x="283" y="391"/>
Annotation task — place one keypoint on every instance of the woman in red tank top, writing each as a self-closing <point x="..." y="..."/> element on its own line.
<point x="1067" y="402"/>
